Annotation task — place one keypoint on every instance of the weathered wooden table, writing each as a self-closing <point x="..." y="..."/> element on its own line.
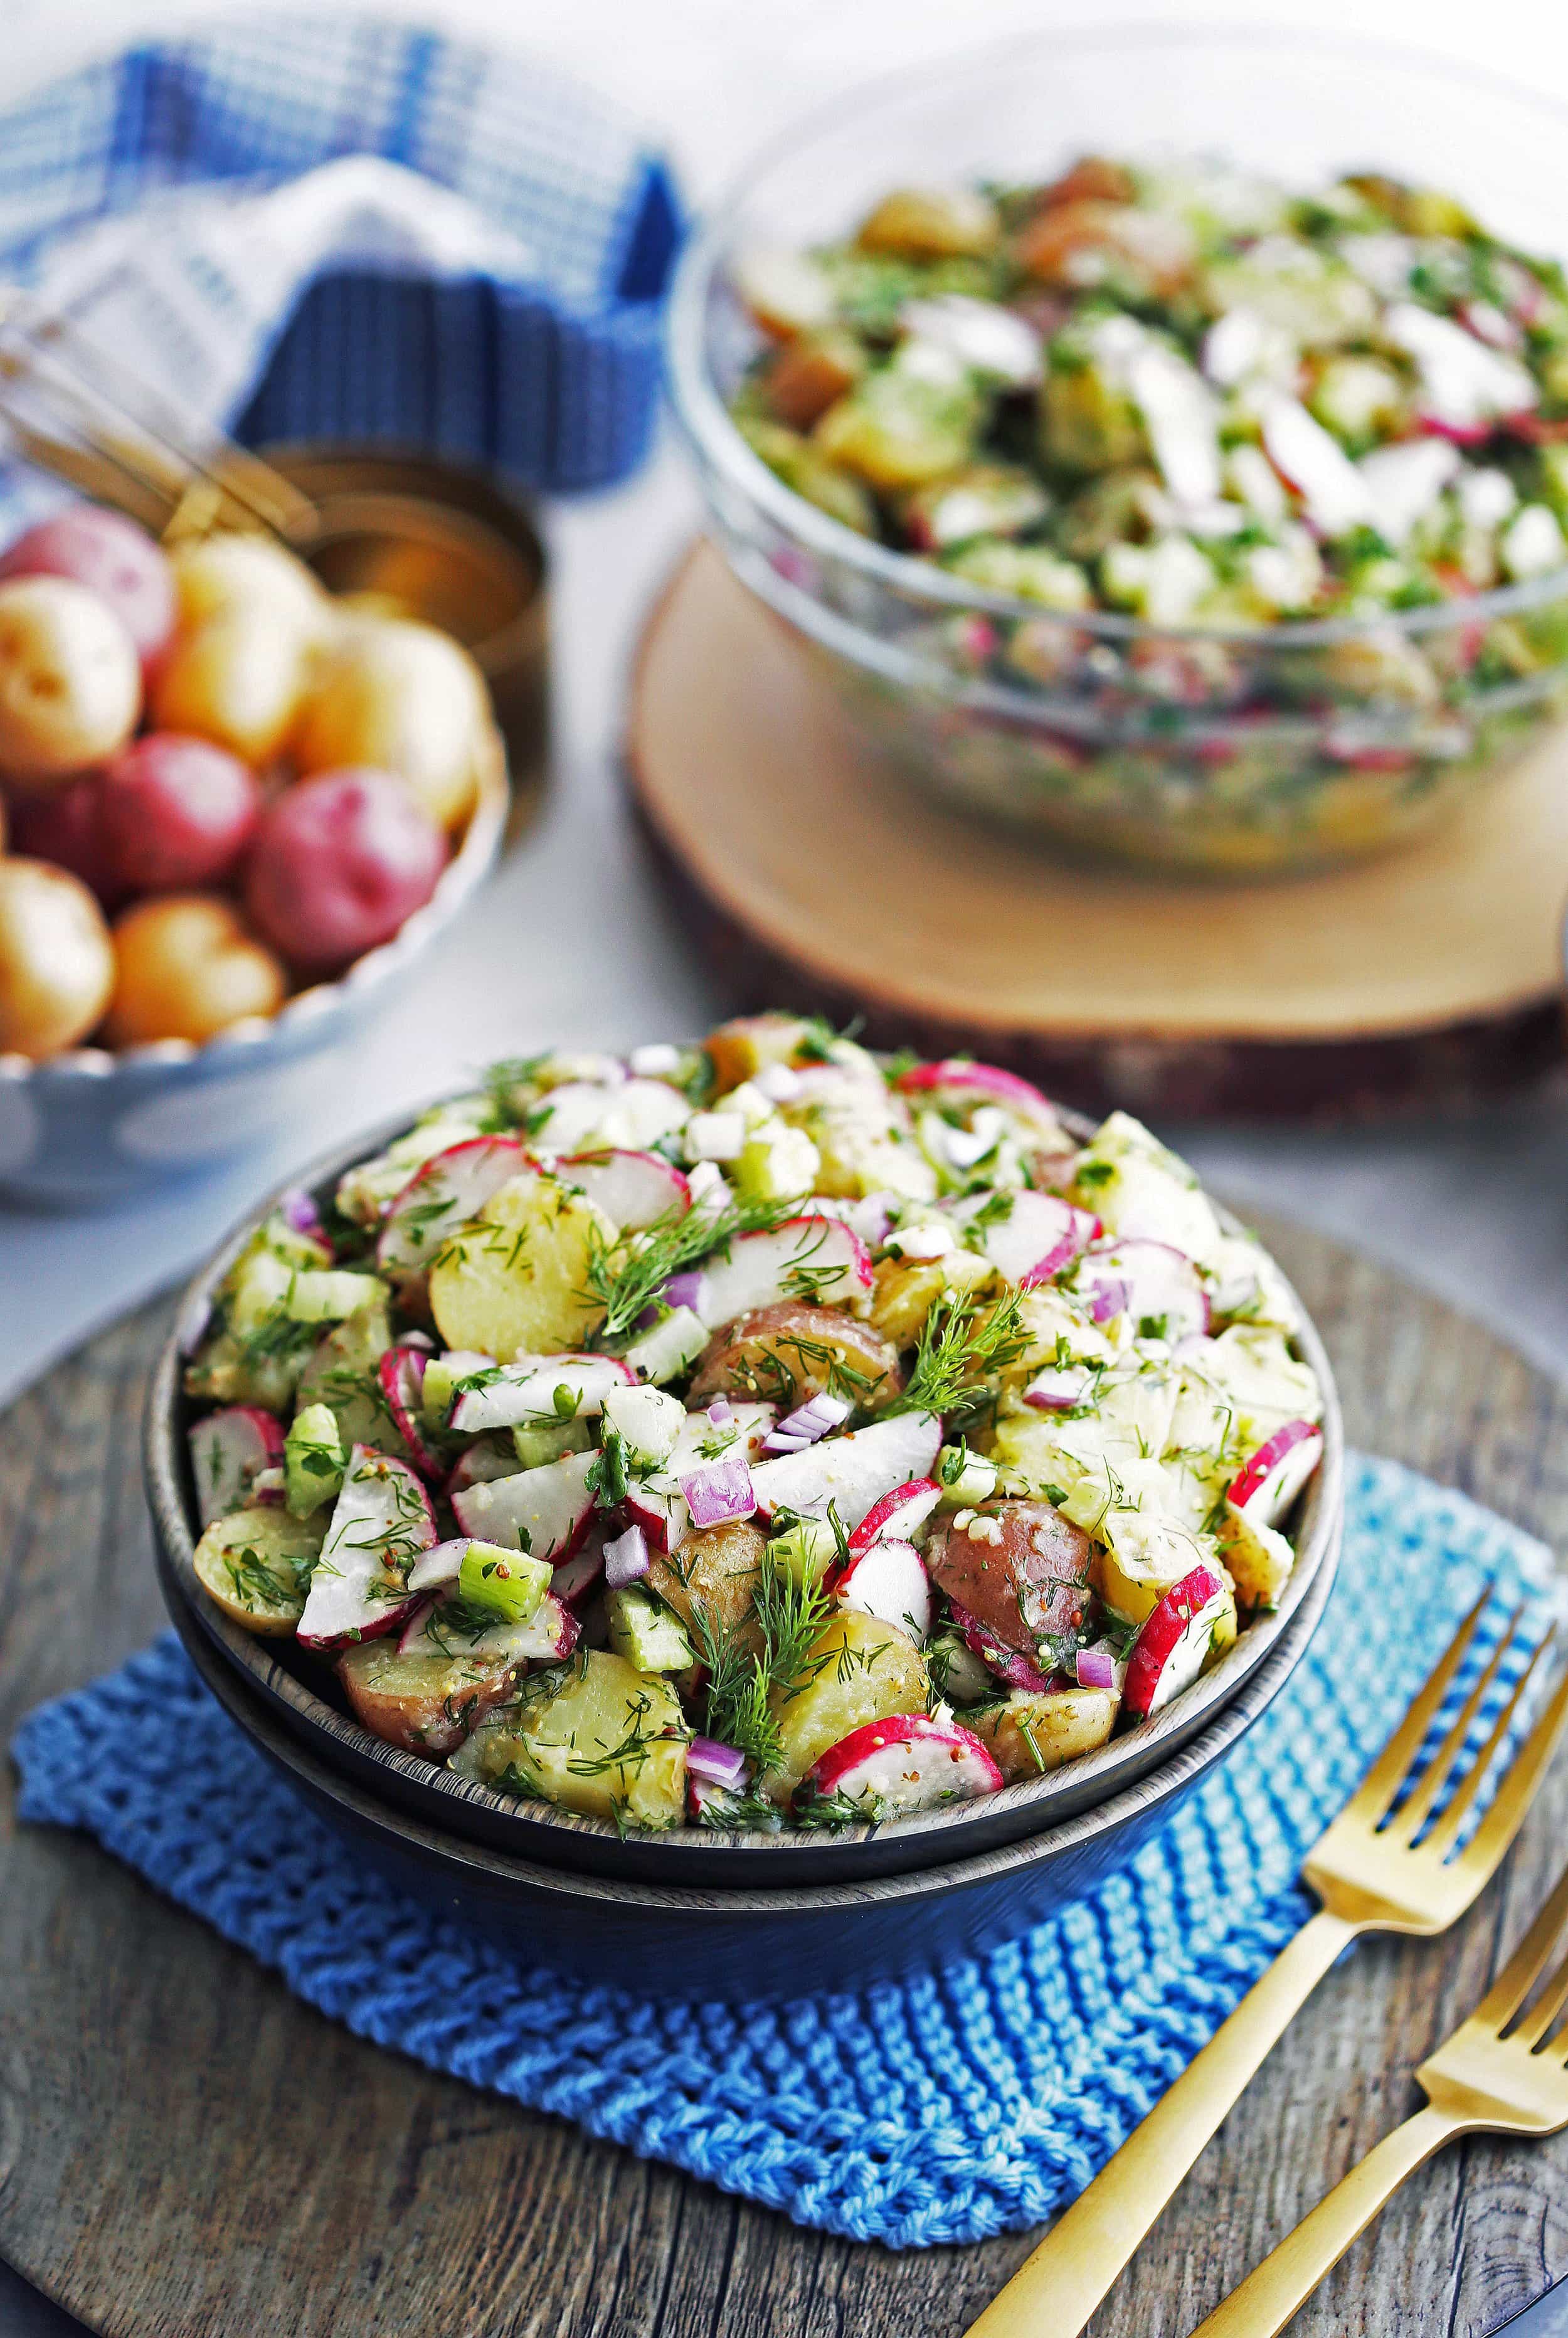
<point x="187" y="2151"/>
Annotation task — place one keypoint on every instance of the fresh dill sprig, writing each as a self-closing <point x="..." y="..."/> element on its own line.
<point x="743" y="1680"/>
<point x="836" y="1810"/>
<point x="500" y="1081"/>
<point x="625" y="1275"/>
<point x="964" y="1346"/>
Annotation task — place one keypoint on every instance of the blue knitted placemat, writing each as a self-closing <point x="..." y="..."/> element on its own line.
<point x="555" y="379"/>
<point x="974" y="2100"/>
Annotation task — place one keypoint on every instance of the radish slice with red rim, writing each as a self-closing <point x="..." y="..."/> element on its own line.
<point x="1266" y="1485"/>
<point x="229" y="1451"/>
<point x="380" y="1522"/>
<point x="910" y="1763"/>
<point x="888" y="1580"/>
<point x="401" y="1374"/>
<point x="443" y="1194"/>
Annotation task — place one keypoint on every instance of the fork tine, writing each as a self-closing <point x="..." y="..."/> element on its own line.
<point x="1515" y="1982"/>
<point x="1445" y="1831"/>
<point x="1546" y="2010"/>
<point x="1373" y="1799"/>
<point x="1518" y="1784"/>
<point x="1410" y="1816"/>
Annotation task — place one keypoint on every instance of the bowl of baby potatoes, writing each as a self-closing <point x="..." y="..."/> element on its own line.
<point x="232" y="810"/>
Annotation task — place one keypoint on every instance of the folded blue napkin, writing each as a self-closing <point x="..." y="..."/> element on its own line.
<point x="545" y="362"/>
<point x="972" y="2101"/>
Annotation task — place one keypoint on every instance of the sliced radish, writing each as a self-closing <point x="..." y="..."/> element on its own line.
<point x="1151" y="1281"/>
<point x="1060" y="1387"/>
<point x="1265" y="1486"/>
<point x="889" y="1580"/>
<point x="906" y="1764"/>
<point x="1167" y="1654"/>
<point x="1465" y="385"/>
<point x="542" y="1390"/>
<point x="486" y="1459"/>
<point x="229" y="1451"/>
<point x="401" y="1373"/>
<point x="380" y="1522"/>
<point x="441" y="1196"/>
<point x="961" y="1083"/>
<point x="853" y="1473"/>
<point x="575" y="1576"/>
<point x="897" y="1515"/>
<point x="633" y="1189"/>
<point x="655" y="1501"/>
<point x="545" y="1512"/>
<point x="1040" y="1237"/>
<point x="820" y="1259"/>
<point x="438" y="1566"/>
<point x="550" y="1631"/>
<point x="580" y="1116"/>
<point x="1309" y="458"/>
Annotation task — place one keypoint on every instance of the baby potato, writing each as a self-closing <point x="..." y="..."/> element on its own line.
<point x="857" y="1669"/>
<point x="185" y="967"/>
<point x="256" y="1564"/>
<point x="568" y="1727"/>
<point x="237" y="679"/>
<point x="221" y="575"/>
<point x="70" y="680"/>
<point x="1036" y="1730"/>
<point x="403" y="698"/>
<point x="57" y="962"/>
<point x="515" y="1282"/>
<point x="793" y="1349"/>
<point x="427" y="1705"/>
<point x="113" y="558"/>
<point x="713" y="1574"/>
<point x="339" y="864"/>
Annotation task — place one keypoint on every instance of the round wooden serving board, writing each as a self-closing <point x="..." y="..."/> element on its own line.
<point x="821" y="879"/>
<point x="188" y="2152"/>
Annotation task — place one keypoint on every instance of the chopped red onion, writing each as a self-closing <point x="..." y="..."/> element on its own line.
<point x="718" y="1494"/>
<point x="1107" y="1297"/>
<point x="1096" y="1668"/>
<point x="1007" y="1663"/>
<point x="720" y="1411"/>
<point x="625" y="1558"/>
<point x="719" y="1764"/>
<point x="806" y="1423"/>
<point x="685" y="1290"/>
<point x="1058" y="1388"/>
<point x="298" y="1210"/>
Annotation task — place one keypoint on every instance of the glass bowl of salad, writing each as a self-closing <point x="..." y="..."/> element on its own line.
<point x="1161" y="441"/>
<point x="745" y="1455"/>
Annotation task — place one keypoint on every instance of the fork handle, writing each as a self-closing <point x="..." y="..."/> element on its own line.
<point x="1055" y="2291"/>
<point x="1270" y="2296"/>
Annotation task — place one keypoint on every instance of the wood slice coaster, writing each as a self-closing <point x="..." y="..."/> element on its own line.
<point x="188" y="2152"/>
<point x="821" y="879"/>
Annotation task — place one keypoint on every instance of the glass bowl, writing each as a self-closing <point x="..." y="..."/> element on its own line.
<point x="1225" y="752"/>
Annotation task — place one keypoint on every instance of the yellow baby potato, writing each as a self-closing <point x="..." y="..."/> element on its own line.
<point x="187" y="968"/>
<point x="57" y="962"/>
<point x="70" y="680"/>
<point x="400" y="697"/>
<point x="237" y="679"/>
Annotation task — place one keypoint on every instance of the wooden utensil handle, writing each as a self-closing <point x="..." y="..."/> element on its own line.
<point x="1278" y="2287"/>
<point x="1055" y="2291"/>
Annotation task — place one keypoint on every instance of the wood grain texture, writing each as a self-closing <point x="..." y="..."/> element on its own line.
<point x="187" y="2151"/>
<point x="820" y="878"/>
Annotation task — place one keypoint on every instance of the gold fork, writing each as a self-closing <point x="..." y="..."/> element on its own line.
<point x="1371" y="1874"/>
<point x="1503" y="2072"/>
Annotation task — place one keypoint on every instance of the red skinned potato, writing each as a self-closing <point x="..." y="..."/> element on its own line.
<point x="790" y="1350"/>
<point x="113" y="558"/>
<point x="56" y="965"/>
<point x="66" y="827"/>
<point x="186" y="968"/>
<point x="175" y="812"/>
<point x="338" y="863"/>
<point x="1021" y="1570"/>
<point x="70" y="680"/>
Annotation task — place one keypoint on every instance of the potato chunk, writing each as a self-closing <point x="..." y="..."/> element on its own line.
<point x="788" y="1351"/>
<point x="857" y="1669"/>
<point x="595" y="1736"/>
<point x="256" y="1564"/>
<point x="1020" y="1568"/>
<point x="427" y="1705"/>
<point x="1036" y="1731"/>
<point x="515" y="1282"/>
<point x="712" y="1576"/>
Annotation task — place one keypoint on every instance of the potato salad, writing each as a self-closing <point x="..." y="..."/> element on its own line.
<point x="758" y="1434"/>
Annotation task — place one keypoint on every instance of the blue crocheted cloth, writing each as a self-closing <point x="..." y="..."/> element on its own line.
<point x="555" y="379"/>
<point x="968" y="2103"/>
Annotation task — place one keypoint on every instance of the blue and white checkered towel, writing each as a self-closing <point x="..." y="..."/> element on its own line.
<point x="968" y="2100"/>
<point x="341" y="227"/>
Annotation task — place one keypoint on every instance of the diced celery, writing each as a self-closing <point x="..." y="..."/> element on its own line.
<point x="508" y="1582"/>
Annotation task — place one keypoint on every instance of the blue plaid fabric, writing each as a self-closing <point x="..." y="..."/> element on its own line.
<point x="553" y="380"/>
<point x="971" y="2100"/>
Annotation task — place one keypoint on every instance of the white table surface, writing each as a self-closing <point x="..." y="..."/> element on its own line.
<point x="571" y="942"/>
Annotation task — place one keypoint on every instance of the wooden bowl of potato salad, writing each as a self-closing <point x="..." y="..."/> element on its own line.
<point x="747" y="1463"/>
